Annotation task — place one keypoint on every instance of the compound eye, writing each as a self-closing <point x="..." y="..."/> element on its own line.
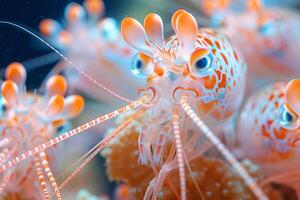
<point x="288" y="118"/>
<point x="142" y="65"/>
<point x="201" y="62"/>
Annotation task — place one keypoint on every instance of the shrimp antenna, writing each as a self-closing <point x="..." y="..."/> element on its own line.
<point x="222" y="149"/>
<point x="71" y="133"/>
<point x="179" y="150"/>
<point x="102" y="144"/>
<point x="67" y="60"/>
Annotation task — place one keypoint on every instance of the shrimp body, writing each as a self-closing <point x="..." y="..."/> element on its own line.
<point x="27" y="120"/>
<point x="269" y="128"/>
<point x="93" y="43"/>
<point x="274" y="41"/>
<point x="198" y="61"/>
<point x="266" y="36"/>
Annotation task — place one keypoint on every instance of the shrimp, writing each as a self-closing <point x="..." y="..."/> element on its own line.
<point x="27" y="119"/>
<point x="271" y="54"/>
<point x="92" y="42"/>
<point x="192" y="63"/>
<point x="269" y="132"/>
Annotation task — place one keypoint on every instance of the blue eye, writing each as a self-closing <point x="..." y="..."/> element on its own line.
<point x="141" y="65"/>
<point x="267" y="29"/>
<point x="288" y="119"/>
<point x="201" y="62"/>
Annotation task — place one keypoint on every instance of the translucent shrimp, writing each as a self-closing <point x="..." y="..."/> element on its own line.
<point x="269" y="130"/>
<point x="27" y="120"/>
<point x="192" y="63"/>
<point x="272" y="53"/>
<point x="93" y="43"/>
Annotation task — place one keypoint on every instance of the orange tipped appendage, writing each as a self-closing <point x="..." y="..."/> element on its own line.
<point x="94" y="7"/>
<point x="65" y="37"/>
<point x="73" y="105"/>
<point x="254" y="5"/>
<point x="9" y="91"/>
<point x="292" y="94"/>
<point x="48" y="27"/>
<point x="16" y="72"/>
<point x="74" y="12"/>
<point x="55" y="105"/>
<point x="56" y="85"/>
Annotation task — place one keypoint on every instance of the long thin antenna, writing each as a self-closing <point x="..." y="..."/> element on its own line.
<point x="223" y="150"/>
<point x="69" y="61"/>
<point x="102" y="144"/>
<point x="179" y="153"/>
<point x="72" y="133"/>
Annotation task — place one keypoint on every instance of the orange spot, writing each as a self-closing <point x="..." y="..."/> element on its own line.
<point x="208" y="41"/>
<point x="223" y="81"/>
<point x="206" y="107"/>
<point x="271" y="97"/>
<point x="159" y="71"/>
<point x="276" y="104"/>
<point x="235" y="56"/>
<point x="209" y="82"/>
<point x="214" y="51"/>
<point x="264" y="131"/>
<point x="224" y="58"/>
<point x="219" y="75"/>
<point x="218" y="44"/>
<point x="234" y="83"/>
<point x="281" y="95"/>
<point x="269" y="123"/>
<point x="231" y="71"/>
<point x="281" y="133"/>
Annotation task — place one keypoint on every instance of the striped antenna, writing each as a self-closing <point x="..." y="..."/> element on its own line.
<point x="179" y="153"/>
<point x="103" y="144"/>
<point x="69" y="61"/>
<point x="223" y="150"/>
<point x="72" y="133"/>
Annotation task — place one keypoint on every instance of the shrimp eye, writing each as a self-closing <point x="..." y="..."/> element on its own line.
<point x="142" y="65"/>
<point x="201" y="62"/>
<point x="288" y="118"/>
<point x="266" y="29"/>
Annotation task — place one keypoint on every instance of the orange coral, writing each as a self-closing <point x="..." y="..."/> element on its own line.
<point x="214" y="177"/>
